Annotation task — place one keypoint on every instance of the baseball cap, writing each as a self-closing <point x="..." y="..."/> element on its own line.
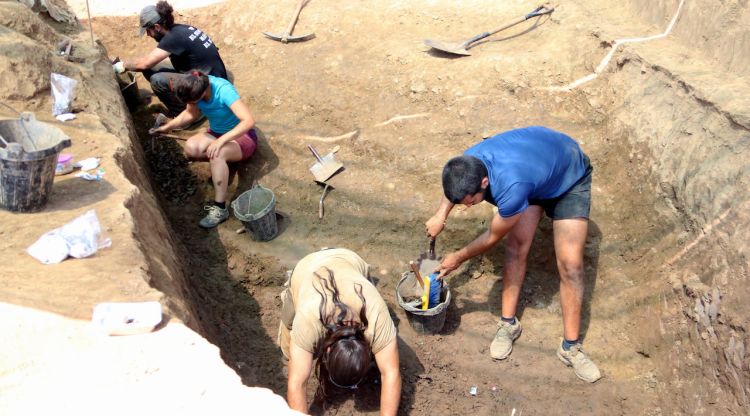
<point x="149" y="17"/>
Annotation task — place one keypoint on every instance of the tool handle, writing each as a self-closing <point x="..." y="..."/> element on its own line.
<point x="415" y="270"/>
<point x="295" y="17"/>
<point x="431" y="252"/>
<point x="476" y="38"/>
<point x="317" y="156"/>
<point x="320" y="203"/>
<point x="539" y="11"/>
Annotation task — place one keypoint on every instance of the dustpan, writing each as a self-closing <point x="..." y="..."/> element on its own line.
<point x="325" y="167"/>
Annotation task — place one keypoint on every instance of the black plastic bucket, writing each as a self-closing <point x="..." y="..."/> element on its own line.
<point x="129" y="89"/>
<point x="28" y="162"/>
<point x="256" y="209"/>
<point x="428" y="321"/>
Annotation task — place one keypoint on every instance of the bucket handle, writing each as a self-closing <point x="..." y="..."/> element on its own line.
<point x="23" y="117"/>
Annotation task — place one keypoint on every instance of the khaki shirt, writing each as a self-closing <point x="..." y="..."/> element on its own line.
<point x="300" y="311"/>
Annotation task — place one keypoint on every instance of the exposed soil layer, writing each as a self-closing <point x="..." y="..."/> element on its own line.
<point x="666" y="126"/>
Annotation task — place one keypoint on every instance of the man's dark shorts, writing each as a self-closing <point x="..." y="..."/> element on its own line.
<point x="574" y="203"/>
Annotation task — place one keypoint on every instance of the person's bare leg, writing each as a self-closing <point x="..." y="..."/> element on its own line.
<point x="196" y="145"/>
<point x="230" y="152"/>
<point x="570" y="243"/>
<point x="517" y="248"/>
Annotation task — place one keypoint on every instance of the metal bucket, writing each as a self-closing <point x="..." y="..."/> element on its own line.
<point x="28" y="162"/>
<point x="428" y="321"/>
<point x="256" y="210"/>
<point x="129" y="89"/>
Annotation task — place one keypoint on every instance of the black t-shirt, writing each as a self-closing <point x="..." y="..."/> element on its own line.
<point x="191" y="48"/>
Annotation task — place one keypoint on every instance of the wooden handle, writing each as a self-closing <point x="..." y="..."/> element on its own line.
<point x="415" y="269"/>
<point x="294" y="18"/>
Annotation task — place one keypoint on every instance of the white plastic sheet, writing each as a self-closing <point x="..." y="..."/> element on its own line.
<point x="79" y="238"/>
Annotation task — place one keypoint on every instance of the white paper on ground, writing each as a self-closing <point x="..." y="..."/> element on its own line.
<point x="88" y="163"/>
<point x="126" y="318"/>
<point x="65" y="117"/>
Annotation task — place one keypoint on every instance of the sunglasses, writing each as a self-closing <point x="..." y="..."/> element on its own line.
<point x="352" y="387"/>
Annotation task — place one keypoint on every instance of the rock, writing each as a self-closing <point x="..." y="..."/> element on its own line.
<point x="418" y="87"/>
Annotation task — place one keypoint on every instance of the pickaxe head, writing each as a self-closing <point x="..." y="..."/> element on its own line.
<point x="285" y="38"/>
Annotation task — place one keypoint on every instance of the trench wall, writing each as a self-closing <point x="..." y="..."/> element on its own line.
<point x="698" y="146"/>
<point x="718" y="30"/>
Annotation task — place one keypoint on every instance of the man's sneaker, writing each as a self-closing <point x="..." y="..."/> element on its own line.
<point x="215" y="216"/>
<point x="502" y="344"/>
<point x="585" y="369"/>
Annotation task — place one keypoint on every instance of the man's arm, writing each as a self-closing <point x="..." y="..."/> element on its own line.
<point x="390" y="379"/>
<point x="499" y="226"/>
<point x="436" y="223"/>
<point x="146" y="62"/>
<point x="300" y="368"/>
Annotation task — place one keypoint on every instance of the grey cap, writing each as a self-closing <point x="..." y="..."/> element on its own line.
<point x="149" y="17"/>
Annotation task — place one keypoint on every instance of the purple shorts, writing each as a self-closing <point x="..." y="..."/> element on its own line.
<point x="248" y="142"/>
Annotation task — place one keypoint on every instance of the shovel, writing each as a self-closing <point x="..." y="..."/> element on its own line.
<point x="287" y="37"/>
<point x="462" y="48"/>
<point x="325" y="167"/>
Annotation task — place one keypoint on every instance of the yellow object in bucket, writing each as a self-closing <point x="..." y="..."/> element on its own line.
<point x="425" y="293"/>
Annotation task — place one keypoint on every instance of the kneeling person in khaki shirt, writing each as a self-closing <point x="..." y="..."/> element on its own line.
<point x="333" y="314"/>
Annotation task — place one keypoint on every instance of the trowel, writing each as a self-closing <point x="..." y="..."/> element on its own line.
<point x="325" y="167"/>
<point x="429" y="263"/>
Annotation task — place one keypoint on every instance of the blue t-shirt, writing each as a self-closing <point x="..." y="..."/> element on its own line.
<point x="220" y="117"/>
<point x="528" y="163"/>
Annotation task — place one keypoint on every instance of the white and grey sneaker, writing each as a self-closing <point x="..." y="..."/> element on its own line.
<point x="502" y="344"/>
<point x="216" y="215"/>
<point x="584" y="368"/>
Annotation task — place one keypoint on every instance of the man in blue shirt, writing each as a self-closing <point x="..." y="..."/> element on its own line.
<point x="526" y="172"/>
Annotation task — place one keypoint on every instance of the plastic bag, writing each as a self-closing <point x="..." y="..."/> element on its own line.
<point x="79" y="238"/>
<point x="63" y="92"/>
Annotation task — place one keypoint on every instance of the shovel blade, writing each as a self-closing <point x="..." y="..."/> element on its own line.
<point x="326" y="168"/>
<point x="289" y="38"/>
<point x="452" y="48"/>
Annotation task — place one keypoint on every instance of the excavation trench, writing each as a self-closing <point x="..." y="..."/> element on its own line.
<point x="646" y="261"/>
<point x="664" y="311"/>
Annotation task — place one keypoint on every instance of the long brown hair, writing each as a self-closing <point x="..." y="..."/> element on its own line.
<point x="165" y="11"/>
<point x="344" y="356"/>
<point x="191" y="86"/>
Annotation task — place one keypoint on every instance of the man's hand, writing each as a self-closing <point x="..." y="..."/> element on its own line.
<point x="118" y="67"/>
<point x="434" y="226"/>
<point x="449" y="264"/>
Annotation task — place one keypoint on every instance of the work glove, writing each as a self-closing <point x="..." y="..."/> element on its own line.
<point x="118" y="67"/>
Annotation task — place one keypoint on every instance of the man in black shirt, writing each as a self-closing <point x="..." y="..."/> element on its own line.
<point x="186" y="47"/>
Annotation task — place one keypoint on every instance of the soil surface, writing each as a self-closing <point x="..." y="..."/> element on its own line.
<point x="409" y="109"/>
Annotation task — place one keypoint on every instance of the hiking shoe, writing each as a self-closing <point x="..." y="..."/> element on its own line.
<point x="215" y="216"/>
<point x="502" y="344"/>
<point x="585" y="369"/>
